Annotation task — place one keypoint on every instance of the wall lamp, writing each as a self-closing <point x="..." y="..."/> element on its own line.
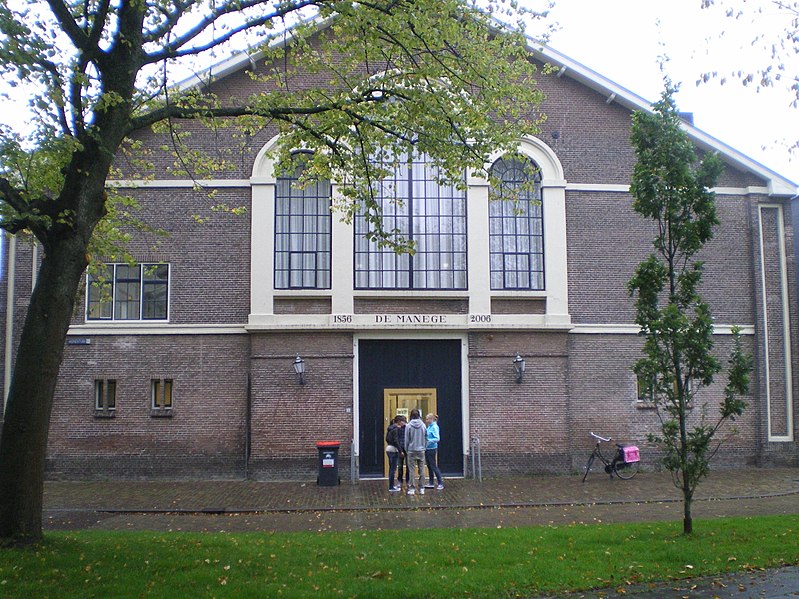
<point x="299" y="368"/>
<point x="518" y="366"/>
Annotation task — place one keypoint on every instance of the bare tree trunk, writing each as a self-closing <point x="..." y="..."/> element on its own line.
<point x="688" y="499"/>
<point x="27" y="420"/>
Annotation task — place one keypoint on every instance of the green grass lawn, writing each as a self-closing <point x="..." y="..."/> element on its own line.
<point x="476" y="562"/>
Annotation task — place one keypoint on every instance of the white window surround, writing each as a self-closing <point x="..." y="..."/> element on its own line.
<point x="769" y="344"/>
<point x="479" y="294"/>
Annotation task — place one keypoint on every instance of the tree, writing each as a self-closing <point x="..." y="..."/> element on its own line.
<point x="777" y="46"/>
<point x="401" y="76"/>
<point x="671" y="187"/>
<point x="768" y="33"/>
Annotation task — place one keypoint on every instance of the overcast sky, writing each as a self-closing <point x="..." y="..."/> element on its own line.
<point x="622" y="40"/>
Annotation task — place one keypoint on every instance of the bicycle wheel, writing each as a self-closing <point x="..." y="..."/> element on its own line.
<point x="626" y="470"/>
<point x="588" y="466"/>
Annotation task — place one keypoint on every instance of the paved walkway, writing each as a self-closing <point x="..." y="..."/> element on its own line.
<point x="293" y="506"/>
<point x="368" y="504"/>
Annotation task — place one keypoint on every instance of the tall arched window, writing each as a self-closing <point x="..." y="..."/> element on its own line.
<point x="516" y="223"/>
<point x="302" y="233"/>
<point x="422" y="210"/>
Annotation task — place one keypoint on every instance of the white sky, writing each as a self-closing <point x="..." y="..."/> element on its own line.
<point x="622" y="40"/>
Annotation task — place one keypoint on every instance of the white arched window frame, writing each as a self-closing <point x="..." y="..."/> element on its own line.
<point x="341" y="292"/>
<point x="516" y="229"/>
<point x="263" y="183"/>
<point x="553" y="204"/>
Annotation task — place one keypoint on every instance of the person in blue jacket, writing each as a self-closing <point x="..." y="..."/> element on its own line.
<point x="431" y="451"/>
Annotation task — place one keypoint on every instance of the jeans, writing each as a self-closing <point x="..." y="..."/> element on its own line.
<point x="416" y="462"/>
<point x="393" y="459"/>
<point x="403" y="467"/>
<point x="431" y="457"/>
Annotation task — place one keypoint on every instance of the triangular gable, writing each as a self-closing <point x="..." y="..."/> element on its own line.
<point x="566" y="67"/>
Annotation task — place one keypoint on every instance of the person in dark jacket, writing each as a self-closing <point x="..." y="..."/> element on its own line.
<point x="402" y="461"/>
<point x="393" y="453"/>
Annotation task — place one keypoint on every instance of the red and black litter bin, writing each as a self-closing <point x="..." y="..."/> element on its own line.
<point x="328" y="463"/>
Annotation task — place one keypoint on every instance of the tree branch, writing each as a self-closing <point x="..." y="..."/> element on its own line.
<point x="170" y="20"/>
<point x="96" y="33"/>
<point x="187" y="112"/>
<point x="174" y="49"/>
<point x="76" y="35"/>
<point x="12" y="196"/>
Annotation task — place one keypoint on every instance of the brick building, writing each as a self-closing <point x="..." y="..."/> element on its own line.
<point x="189" y="370"/>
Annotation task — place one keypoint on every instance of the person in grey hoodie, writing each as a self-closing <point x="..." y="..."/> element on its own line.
<point x="415" y="444"/>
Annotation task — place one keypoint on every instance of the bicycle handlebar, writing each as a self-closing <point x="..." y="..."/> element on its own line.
<point x="600" y="438"/>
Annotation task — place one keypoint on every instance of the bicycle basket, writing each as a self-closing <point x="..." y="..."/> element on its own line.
<point x="630" y="454"/>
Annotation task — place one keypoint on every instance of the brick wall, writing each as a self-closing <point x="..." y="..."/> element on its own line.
<point x="209" y="256"/>
<point x="574" y="383"/>
<point x="522" y="427"/>
<point x="603" y="392"/>
<point x="204" y="435"/>
<point x="289" y="418"/>
<point x="772" y="319"/>
<point x="607" y="241"/>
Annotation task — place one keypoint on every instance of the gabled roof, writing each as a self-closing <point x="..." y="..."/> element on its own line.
<point x="777" y="184"/>
<point x="567" y="67"/>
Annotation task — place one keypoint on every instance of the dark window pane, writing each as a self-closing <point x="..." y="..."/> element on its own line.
<point x="111" y="395"/>
<point x="100" y="294"/>
<point x="516" y="254"/>
<point x="99" y="394"/>
<point x="302" y="233"/>
<point x="155" y="293"/>
<point x="167" y="393"/>
<point x="417" y="209"/>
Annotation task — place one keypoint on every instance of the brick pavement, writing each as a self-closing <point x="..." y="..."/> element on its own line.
<point x="650" y="495"/>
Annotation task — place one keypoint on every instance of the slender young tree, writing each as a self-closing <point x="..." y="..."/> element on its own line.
<point x="671" y="186"/>
<point x="396" y="77"/>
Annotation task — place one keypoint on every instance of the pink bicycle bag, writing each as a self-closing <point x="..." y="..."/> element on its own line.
<point x="631" y="454"/>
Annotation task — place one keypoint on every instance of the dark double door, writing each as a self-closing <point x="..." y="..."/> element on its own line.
<point x="425" y="368"/>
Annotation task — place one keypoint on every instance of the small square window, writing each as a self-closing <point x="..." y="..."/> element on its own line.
<point x="646" y="391"/>
<point x="105" y="397"/>
<point x="161" y="397"/>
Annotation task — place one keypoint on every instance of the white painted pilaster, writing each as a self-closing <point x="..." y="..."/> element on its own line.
<point x="262" y="249"/>
<point x="342" y="260"/>
<point x="478" y="258"/>
<point x="555" y="255"/>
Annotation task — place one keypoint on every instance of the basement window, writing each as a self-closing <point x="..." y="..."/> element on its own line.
<point x="161" y="398"/>
<point x="105" y="398"/>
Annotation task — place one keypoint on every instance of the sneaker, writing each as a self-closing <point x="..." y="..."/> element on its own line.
<point x="429" y="486"/>
<point x="411" y="491"/>
<point x="421" y="491"/>
<point x="394" y="489"/>
<point x="440" y="487"/>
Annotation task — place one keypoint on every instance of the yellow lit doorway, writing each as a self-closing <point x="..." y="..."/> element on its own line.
<point x="402" y="401"/>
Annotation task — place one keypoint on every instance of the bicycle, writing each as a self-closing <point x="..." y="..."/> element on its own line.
<point x="624" y="464"/>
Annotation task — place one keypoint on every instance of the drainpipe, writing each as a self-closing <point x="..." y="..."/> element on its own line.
<point x="247" y="428"/>
<point x="795" y="223"/>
